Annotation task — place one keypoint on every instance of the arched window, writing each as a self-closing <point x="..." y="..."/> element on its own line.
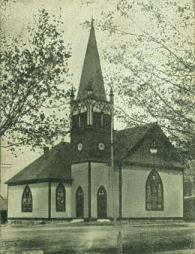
<point x="27" y="200"/>
<point x="83" y="119"/>
<point x="60" y="198"/>
<point x="154" y="192"/>
<point x="97" y="120"/>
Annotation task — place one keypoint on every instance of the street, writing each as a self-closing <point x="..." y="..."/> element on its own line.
<point x="70" y="238"/>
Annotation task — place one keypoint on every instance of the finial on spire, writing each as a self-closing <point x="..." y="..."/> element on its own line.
<point x="92" y="21"/>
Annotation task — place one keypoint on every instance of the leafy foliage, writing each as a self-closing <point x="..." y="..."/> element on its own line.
<point x="3" y="3"/>
<point x="152" y="65"/>
<point x="34" y="84"/>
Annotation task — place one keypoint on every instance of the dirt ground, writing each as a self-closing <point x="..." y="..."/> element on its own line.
<point x="95" y="239"/>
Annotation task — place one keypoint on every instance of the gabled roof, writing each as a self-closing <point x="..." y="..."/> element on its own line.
<point x="129" y="141"/>
<point x="91" y="76"/>
<point x="53" y="165"/>
<point x="126" y="139"/>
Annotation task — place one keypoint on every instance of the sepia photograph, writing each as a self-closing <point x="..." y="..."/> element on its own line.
<point x="97" y="127"/>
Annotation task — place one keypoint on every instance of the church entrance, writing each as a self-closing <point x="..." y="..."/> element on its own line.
<point x="101" y="203"/>
<point x="79" y="203"/>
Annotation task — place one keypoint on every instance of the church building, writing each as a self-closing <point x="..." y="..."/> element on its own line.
<point x="102" y="173"/>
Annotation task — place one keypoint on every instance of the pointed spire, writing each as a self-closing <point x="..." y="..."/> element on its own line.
<point x="91" y="73"/>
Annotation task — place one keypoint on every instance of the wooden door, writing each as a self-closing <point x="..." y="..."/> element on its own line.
<point x="79" y="203"/>
<point x="101" y="203"/>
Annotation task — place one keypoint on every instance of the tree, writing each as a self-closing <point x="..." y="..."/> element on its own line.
<point x="152" y="65"/>
<point x="34" y="84"/>
<point x="3" y="3"/>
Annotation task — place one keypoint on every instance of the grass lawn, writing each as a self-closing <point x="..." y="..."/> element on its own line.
<point x="96" y="239"/>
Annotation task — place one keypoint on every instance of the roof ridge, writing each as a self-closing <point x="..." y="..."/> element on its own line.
<point x="138" y="126"/>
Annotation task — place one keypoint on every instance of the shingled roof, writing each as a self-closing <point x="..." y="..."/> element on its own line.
<point x="56" y="163"/>
<point x="126" y="139"/>
<point x="91" y="76"/>
<point x="53" y="165"/>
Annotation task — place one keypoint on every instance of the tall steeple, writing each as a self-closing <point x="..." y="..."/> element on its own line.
<point x="91" y="76"/>
<point x="91" y="112"/>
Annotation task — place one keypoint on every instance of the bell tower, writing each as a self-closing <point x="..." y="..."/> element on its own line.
<point x="91" y="111"/>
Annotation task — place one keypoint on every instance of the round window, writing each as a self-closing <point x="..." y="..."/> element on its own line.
<point x="80" y="146"/>
<point x="101" y="146"/>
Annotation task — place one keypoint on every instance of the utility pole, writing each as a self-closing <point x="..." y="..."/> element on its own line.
<point x="0" y="165"/>
<point x="112" y="154"/>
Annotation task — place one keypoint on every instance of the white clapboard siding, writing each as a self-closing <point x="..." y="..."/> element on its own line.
<point x="67" y="213"/>
<point x="40" y="201"/>
<point x="133" y="193"/>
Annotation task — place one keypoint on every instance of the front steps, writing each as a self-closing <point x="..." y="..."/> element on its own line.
<point x="77" y="221"/>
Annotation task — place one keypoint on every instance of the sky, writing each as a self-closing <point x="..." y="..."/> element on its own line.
<point x="74" y="13"/>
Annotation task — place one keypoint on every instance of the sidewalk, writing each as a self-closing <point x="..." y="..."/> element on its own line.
<point x="192" y="251"/>
<point x="96" y="239"/>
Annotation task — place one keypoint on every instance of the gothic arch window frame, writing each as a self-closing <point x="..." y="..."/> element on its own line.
<point x="97" y="106"/>
<point x="61" y="207"/>
<point x="154" y="200"/>
<point x="107" y="109"/>
<point x="27" y="206"/>
<point x="75" y="109"/>
<point x="83" y="107"/>
<point x="100" y="189"/>
<point x="79" y="190"/>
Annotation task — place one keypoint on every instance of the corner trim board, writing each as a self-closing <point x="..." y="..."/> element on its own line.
<point x="89" y="189"/>
<point x="49" y="200"/>
<point x="120" y="191"/>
